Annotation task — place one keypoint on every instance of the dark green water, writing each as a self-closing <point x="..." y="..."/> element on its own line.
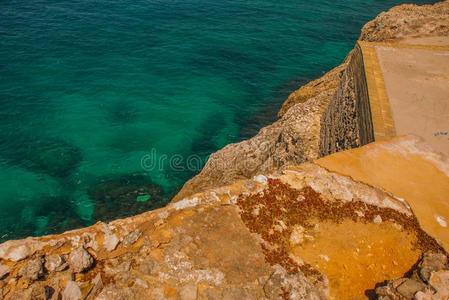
<point x="90" y="88"/>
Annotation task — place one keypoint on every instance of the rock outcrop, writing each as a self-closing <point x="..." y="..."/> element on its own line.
<point x="428" y="280"/>
<point x="408" y="21"/>
<point x="327" y="115"/>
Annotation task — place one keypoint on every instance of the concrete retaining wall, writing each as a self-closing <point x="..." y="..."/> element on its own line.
<point x="347" y="122"/>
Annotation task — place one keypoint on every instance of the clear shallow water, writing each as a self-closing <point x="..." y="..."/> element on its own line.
<point x="89" y="88"/>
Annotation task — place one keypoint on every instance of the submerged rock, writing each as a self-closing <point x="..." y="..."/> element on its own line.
<point x="117" y="196"/>
<point x="52" y="156"/>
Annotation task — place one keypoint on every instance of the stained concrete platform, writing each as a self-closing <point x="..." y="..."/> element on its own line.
<point x="408" y="86"/>
<point x="407" y="168"/>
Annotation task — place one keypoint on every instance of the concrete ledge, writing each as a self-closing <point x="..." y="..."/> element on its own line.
<point x="381" y="114"/>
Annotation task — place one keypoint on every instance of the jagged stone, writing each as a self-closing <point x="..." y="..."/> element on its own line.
<point x="18" y="253"/>
<point x="4" y="271"/>
<point x="410" y="287"/>
<point x="428" y="295"/>
<point x="431" y="262"/>
<point x="72" y="291"/>
<point x="408" y="20"/>
<point x="440" y="282"/>
<point x="80" y="260"/>
<point x="33" y="269"/>
<point x="132" y="237"/>
<point x="111" y="242"/>
<point x="55" y="263"/>
<point x="97" y="283"/>
<point x="434" y="267"/>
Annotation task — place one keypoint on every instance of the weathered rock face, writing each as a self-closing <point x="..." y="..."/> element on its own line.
<point x="327" y="115"/>
<point x="428" y="280"/>
<point x="408" y="20"/>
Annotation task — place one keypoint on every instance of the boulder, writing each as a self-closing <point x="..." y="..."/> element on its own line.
<point x="431" y="262"/>
<point x="33" y="269"/>
<point x="410" y="287"/>
<point x="132" y="237"/>
<point x="55" y="263"/>
<point x="80" y="260"/>
<point x="72" y="291"/>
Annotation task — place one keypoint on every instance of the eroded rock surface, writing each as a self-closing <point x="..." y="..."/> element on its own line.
<point x="428" y="280"/>
<point x="408" y="21"/>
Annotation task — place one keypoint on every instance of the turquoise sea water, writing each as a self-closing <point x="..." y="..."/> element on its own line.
<point x="90" y="88"/>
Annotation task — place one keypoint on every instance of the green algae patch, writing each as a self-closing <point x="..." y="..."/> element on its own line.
<point x="143" y="198"/>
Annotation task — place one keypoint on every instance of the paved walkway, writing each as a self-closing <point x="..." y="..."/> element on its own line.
<point x="408" y="85"/>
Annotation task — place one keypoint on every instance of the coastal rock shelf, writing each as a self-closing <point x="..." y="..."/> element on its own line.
<point x="325" y="203"/>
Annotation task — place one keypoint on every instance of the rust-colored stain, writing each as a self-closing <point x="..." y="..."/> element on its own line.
<point x="275" y="212"/>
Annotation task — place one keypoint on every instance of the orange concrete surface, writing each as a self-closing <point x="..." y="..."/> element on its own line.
<point x="408" y="87"/>
<point x="406" y="168"/>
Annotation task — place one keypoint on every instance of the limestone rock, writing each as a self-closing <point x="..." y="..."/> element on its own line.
<point x="4" y="271"/>
<point x="409" y="287"/>
<point x="72" y="291"/>
<point x="250" y="239"/>
<point x="440" y="282"/>
<point x="432" y="262"/>
<point x="408" y="20"/>
<point x="377" y="219"/>
<point x="97" y="283"/>
<point x="33" y="269"/>
<point x="429" y="281"/>
<point x="132" y="237"/>
<point x="297" y="235"/>
<point x="111" y="242"/>
<point x="17" y="253"/>
<point x="80" y="260"/>
<point x="55" y="263"/>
